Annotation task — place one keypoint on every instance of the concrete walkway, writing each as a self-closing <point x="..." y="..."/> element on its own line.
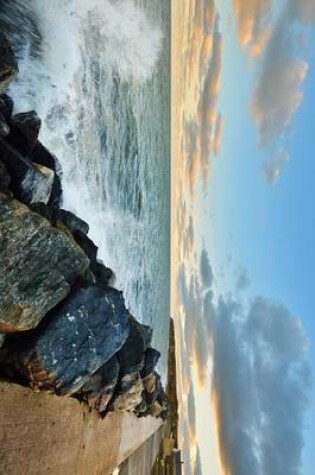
<point x="45" y="434"/>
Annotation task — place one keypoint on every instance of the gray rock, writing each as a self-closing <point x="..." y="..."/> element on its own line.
<point x="129" y="395"/>
<point x="5" y="178"/>
<point x="99" y="389"/>
<point x="74" y="341"/>
<point x="71" y="221"/>
<point x="24" y="131"/>
<point x="31" y="182"/>
<point x="6" y="106"/>
<point x="152" y="357"/>
<point x="2" y="338"/>
<point x="38" y="265"/>
<point x="36" y="186"/>
<point x="4" y="128"/>
<point x="102" y="274"/>
<point x="8" y="64"/>
<point x="132" y="355"/>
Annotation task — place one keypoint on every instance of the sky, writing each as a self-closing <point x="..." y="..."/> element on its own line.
<point x="243" y="228"/>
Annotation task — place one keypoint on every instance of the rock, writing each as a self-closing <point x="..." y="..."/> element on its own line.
<point x="8" y="64"/>
<point x="149" y="383"/>
<point x="74" y="341"/>
<point x="43" y="210"/>
<point x="38" y="265"/>
<point x="129" y="394"/>
<point x="30" y="183"/>
<point x="102" y="274"/>
<point x="156" y="409"/>
<point x="2" y="338"/>
<point x="24" y="131"/>
<point x="86" y="244"/>
<point x="6" y="106"/>
<point x="151" y="359"/>
<point x="132" y="354"/>
<point x="71" y="221"/>
<point x="5" y="178"/>
<point x="4" y="128"/>
<point x="99" y="389"/>
<point x="55" y="200"/>
<point x="42" y="156"/>
<point x="36" y="186"/>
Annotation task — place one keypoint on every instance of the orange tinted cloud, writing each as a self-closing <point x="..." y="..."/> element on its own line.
<point x="201" y="121"/>
<point x="253" y="18"/>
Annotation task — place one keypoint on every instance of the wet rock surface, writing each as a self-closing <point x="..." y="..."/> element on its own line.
<point x="38" y="266"/>
<point x="75" y="340"/>
<point x="24" y="131"/>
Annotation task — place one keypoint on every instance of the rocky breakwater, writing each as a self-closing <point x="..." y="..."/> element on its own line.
<point x="64" y="328"/>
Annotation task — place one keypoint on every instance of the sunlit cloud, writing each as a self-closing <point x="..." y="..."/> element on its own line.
<point x="253" y="23"/>
<point x="202" y="122"/>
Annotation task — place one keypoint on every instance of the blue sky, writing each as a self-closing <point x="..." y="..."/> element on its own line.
<point x="251" y="229"/>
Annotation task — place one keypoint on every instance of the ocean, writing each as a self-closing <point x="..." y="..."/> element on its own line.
<point x="98" y="74"/>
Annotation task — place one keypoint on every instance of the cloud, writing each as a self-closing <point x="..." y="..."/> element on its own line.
<point x="196" y="299"/>
<point x="253" y="19"/>
<point x="206" y="273"/>
<point x="260" y="388"/>
<point x="192" y="413"/>
<point x="242" y="281"/>
<point x="273" y="168"/>
<point x="279" y="91"/>
<point x="202" y="123"/>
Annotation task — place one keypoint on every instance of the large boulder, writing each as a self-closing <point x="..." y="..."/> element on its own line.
<point x="8" y="63"/>
<point x="38" y="265"/>
<point x="30" y="182"/>
<point x="76" y="338"/>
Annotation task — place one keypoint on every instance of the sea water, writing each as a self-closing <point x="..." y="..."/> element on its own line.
<point x="98" y="74"/>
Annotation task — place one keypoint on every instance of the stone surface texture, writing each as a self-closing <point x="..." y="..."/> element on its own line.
<point x="40" y="264"/>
